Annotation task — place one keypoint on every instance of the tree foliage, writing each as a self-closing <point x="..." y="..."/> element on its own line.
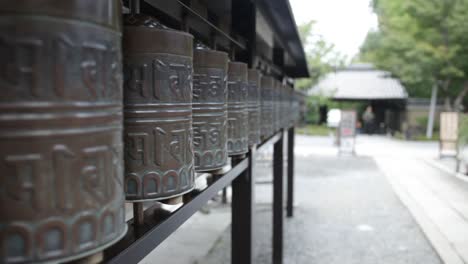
<point x="322" y="57"/>
<point x="423" y="43"/>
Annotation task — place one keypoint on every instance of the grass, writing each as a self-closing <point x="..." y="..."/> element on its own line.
<point x="419" y="137"/>
<point x="315" y="130"/>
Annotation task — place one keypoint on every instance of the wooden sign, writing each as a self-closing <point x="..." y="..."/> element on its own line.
<point x="347" y="131"/>
<point x="449" y="122"/>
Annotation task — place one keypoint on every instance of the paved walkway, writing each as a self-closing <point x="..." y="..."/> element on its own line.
<point x="436" y="196"/>
<point x="346" y="213"/>
<point x="392" y="203"/>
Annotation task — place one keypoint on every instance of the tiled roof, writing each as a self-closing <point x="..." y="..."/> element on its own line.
<point x="360" y="82"/>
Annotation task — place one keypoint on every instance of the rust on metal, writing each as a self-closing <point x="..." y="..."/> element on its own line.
<point x="266" y="106"/>
<point x="253" y="106"/>
<point x="210" y="109"/>
<point x="158" y="149"/>
<point x="60" y="129"/>
<point x="238" y="130"/>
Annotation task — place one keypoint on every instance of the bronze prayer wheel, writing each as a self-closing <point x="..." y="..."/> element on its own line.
<point x="238" y="130"/>
<point x="290" y="106"/>
<point x="296" y="107"/>
<point x="61" y="193"/>
<point x="284" y="106"/>
<point x="157" y="110"/>
<point x="276" y="106"/>
<point x="281" y="112"/>
<point x="267" y="106"/>
<point x="210" y="109"/>
<point x="253" y="106"/>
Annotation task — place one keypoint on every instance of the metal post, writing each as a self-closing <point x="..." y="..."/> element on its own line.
<point x="135" y="6"/>
<point x="243" y="202"/>
<point x="138" y="214"/>
<point x="278" y="153"/>
<point x="224" y="196"/>
<point x="290" y="202"/>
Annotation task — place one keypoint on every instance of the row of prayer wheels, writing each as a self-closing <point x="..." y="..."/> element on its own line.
<point x="83" y="128"/>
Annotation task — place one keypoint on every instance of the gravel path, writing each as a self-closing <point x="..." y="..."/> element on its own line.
<point x="346" y="213"/>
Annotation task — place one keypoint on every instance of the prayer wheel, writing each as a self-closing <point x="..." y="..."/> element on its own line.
<point x="291" y="106"/>
<point x="267" y="106"/>
<point x="253" y="106"/>
<point x="210" y="109"/>
<point x="158" y="146"/>
<point x="276" y="106"/>
<point x="281" y="112"/>
<point x="296" y="107"/>
<point x="238" y="126"/>
<point x="284" y="106"/>
<point x="61" y="193"/>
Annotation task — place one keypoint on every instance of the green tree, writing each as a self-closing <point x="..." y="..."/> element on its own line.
<point x="322" y="57"/>
<point x="423" y="43"/>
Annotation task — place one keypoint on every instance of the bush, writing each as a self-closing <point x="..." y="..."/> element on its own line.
<point x="422" y="123"/>
<point x="315" y="130"/>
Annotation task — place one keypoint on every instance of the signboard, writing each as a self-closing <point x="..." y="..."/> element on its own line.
<point x="448" y="133"/>
<point x="347" y="131"/>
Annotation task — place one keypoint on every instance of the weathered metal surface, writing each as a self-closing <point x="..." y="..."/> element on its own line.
<point x="282" y="110"/>
<point x="276" y="105"/>
<point x="157" y="109"/>
<point x="291" y="106"/>
<point x="210" y="109"/>
<point x="267" y="106"/>
<point x="253" y="106"/>
<point x="238" y="127"/>
<point x="61" y="193"/>
<point x="284" y="106"/>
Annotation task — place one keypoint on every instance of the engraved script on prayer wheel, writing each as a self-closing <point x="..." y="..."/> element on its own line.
<point x="210" y="109"/>
<point x="157" y="110"/>
<point x="61" y="192"/>
<point x="238" y="130"/>
<point x="253" y="106"/>
<point x="267" y="106"/>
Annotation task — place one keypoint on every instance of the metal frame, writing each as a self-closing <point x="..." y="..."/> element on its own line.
<point x="142" y="238"/>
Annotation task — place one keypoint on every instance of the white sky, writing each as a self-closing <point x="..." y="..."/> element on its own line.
<point x="344" y="23"/>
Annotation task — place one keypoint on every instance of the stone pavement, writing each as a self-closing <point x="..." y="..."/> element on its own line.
<point x="435" y="195"/>
<point x="346" y="213"/>
<point x="392" y="203"/>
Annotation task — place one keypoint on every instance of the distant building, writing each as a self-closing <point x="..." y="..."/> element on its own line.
<point x="376" y="88"/>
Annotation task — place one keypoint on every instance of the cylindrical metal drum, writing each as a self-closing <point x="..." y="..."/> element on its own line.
<point x="296" y="107"/>
<point x="290" y="106"/>
<point x="281" y="113"/>
<point x="267" y="84"/>
<point x="284" y="106"/>
<point x="61" y="194"/>
<point x="282" y="110"/>
<point x="253" y="106"/>
<point x="157" y="110"/>
<point x="238" y="127"/>
<point x="210" y="109"/>
<point x="276" y="106"/>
